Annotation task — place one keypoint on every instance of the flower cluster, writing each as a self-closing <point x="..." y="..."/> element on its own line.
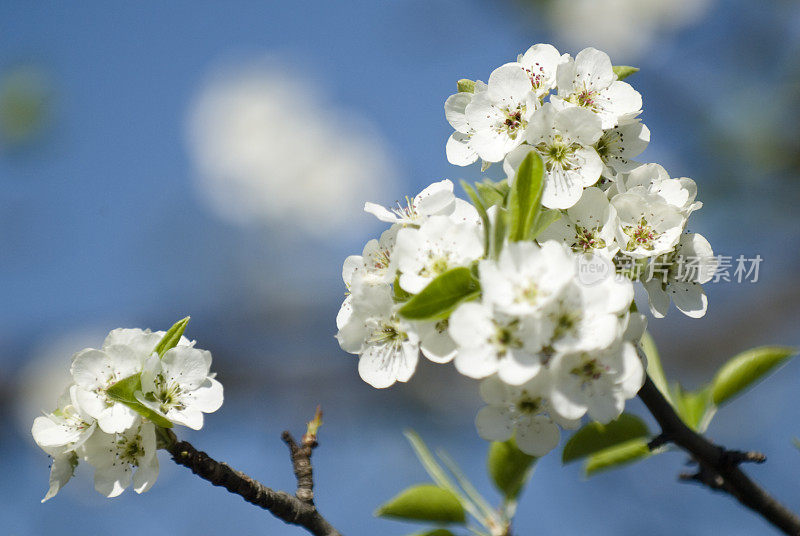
<point x="120" y="396"/>
<point x="545" y="318"/>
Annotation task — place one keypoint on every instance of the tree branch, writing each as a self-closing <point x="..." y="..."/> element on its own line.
<point x="718" y="467"/>
<point x="292" y="510"/>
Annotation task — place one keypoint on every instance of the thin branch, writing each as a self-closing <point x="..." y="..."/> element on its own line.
<point x="288" y="508"/>
<point x="718" y="467"/>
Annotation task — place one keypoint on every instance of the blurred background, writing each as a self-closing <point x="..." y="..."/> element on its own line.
<point x="163" y="160"/>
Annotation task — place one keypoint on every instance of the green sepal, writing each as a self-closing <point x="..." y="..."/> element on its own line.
<point x="624" y="71"/>
<point x="465" y="85"/>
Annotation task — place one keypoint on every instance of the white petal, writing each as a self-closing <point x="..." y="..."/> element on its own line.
<point x="537" y="437"/>
<point x="382" y="213"/>
<point x="146" y="474"/>
<point x="689" y="298"/>
<point x="454" y="109"/>
<point x="458" y="150"/>
<point x="112" y="481"/>
<point x="92" y="368"/>
<point x="61" y="471"/>
<point x="494" y="423"/>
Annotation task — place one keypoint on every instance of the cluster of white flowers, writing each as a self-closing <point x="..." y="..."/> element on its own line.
<point x="550" y="342"/>
<point x="116" y="437"/>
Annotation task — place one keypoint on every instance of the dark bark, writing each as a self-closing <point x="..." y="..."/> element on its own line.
<point x="718" y="467"/>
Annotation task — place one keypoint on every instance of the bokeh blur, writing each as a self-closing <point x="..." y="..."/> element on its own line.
<point x="165" y="159"/>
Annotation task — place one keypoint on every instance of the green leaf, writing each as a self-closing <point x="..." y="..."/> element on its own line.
<point x="465" y="85"/>
<point x="622" y="454"/>
<point x="745" y="369"/>
<point x="493" y="193"/>
<point x="509" y="468"/>
<point x="123" y="391"/>
<point x="499" y="231"/>
<point x="425" y="502"/>
<point x="400" y="295"/>
<point x="595" y="437"/>
<point x="654" y="368"/>
<point x="624" y="71"/>
<point x="433" y="532"/>
<point x="543" y="219"/>
<point x="477" y="201"/>
<point x="442" y="295"/>
<point x="796" y="443"/>
<point x="693" y="407"/>
<point x="172" y="337"/>
<point x="524" y="199"/>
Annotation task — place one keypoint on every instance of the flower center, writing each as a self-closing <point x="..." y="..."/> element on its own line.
<point x="640" y="235"/>
<point x="586" y="239"/>
<point x="588" y="371"/>
<point x="505" y="337"/>
<point x="608" y="144"/>
<point x="558" y="154"/>
<point x="130" y="450"/>
<point x="387" y="333"/>
<point x="514" y="121"/>
<point x="529" y="404"/>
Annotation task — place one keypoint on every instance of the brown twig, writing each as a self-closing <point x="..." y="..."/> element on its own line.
<point x="296" y="510"/>
<point x="718" y="467"/>
<point x="301" y="458"/>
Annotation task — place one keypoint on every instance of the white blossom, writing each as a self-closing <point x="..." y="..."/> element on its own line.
<point x="387" y="345"/>
<point x="437" y="246"/>
<point x="435" y="200"/>
<point x="520" y="412"/>
<point x="491" y="342"/>
<point x="653" y="178"/>
<point x="115" y="456"/>
<point x="180" y="387"/>
<point x="597" y="382"/>
<point x="619" y="145"/>
<point x="589" y="226"/>
<point x="588" y="81"/>
<point x="540" y="62"/>
<point x="680" y="276"/>
<point x="376" y="262"/>
<point x="648" y="225"/>
<point x="564" y="139"/>
<point x="499" y="116"/>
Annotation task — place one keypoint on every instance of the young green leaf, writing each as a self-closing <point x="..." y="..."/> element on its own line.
<point x="594" y="437"/>
<point x="499" y="231"/>
<point x="622" y="454"/>
<point x="624" y="71"/>
<point x="524" y="199"/>
<point x="654" y="368"/>
<point x="543" y="219"/>
<point x="745" y="369"/>
<point x="693" y="407"/>
<point x="400" y="295"/>
<point x="477" y="201"/>
<point x="172" y="337"/>
<point x="465" y="85"/>
<point x="433" y="532"/>
<point x="425" y="502"/>
<point x="437" y="300"/>
<point x="123" y="391"/>
<point x="509" y="468"/>
<point x="493" y="193"/>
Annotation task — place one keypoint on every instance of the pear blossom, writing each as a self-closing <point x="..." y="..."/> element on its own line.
<point x="458" y="149"/>
<point x="387" y="345"/>
<point x="61" y="434"/>
<point x="435" y="342"/>
<point x="691" y="264"/>
<point x="122" y="355"/>
<point x="435" y="200"/>
<point x="499" y="116"/>
<point x="376" y="262"/>
<point x="180" y="387"/>
<point x="589" y="226"/>
<point x="526" y="276"/>
<point x="588" y="81"/>
<point x="597" y="382"/>
<point x="648" y="225"/>
<point x="540" y="62"/>
<point x="115" y="456"/>
<point x="564" y="139"/>
<point x="653" y="178"/>
<point x="522" y="412"/>
<point x="437" y="246"/>
<point x="619" y="145"/>
<point x="490" y="342"/>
